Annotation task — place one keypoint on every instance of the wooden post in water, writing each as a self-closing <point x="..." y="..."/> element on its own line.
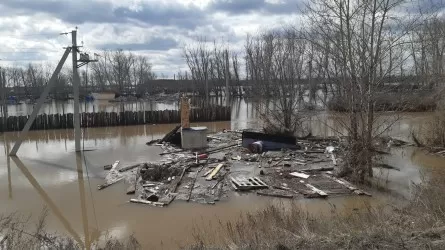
<point x="185" y="112"/>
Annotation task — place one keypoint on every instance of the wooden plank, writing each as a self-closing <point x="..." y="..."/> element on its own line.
<point x="214" y="172"/>
<point x="140" y="201"/>
<point x="170" y="134"/>
<point x="288" y="196"/>
<point x="166" y="200"/>
<point x="115" y="164"/>
<point x="334" y="161"/>
<point x="221" y="179"/>
<point x="218" y="193"/>
<point x="300" y="175"/>
<point x="129" y="167"/>
<point x="193" y="184"/>
<point x="316" y="190"/>
<point x="317" y="169"/>
<point x="348" y="185"/>
<point x="103" y="186"/>
<point x="179" y="180"/>
<point x="342" y="182"/>
<point x="207" y="173"/>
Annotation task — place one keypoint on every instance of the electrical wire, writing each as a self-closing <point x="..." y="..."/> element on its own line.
<point x="86" y="167"/>
<point x="88" y="177"/>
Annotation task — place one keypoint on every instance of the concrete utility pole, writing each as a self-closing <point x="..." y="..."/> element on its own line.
<point x="227" y="78"/>
<point x="76" y="92"/>
<point x="76" y="82"/>
<point x="3" y="97"/>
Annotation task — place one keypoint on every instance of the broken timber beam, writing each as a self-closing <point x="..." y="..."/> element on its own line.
<point x="300" y="175"/>
<point x="179" y="180"/>
<point x="103" y="186"/>
<point x="317" y="169"/>
<point x="170" y="134"/>
<point x="349" y="186"/>
<point x="156" y="204"/>
<point x="316" y="190"/>
<point x="214" y="172"/>
<point x="288" y="196"/>
<point x="129" y="167"/>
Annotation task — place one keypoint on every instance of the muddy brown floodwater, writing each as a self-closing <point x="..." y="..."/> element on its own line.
<point x="46" y="174"/>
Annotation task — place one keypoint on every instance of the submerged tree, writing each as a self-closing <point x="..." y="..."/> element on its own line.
<point x="276" y="65"/>
<point x="364" y="35"/>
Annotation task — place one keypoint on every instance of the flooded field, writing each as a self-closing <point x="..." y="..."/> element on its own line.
<point x="47" y="173"/>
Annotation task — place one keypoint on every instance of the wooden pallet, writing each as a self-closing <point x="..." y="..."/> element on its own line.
<point x="248" y="183"/>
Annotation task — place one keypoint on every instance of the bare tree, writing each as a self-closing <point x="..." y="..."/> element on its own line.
<point x="364" y="35"/>
<point x="276" y="64"/>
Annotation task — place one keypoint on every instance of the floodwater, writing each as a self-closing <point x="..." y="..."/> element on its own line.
<point x="48" y="173"/>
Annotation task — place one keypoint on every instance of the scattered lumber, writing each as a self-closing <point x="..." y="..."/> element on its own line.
<point x="193" y="184"/>
<point x="349" y="186"/>
<point x="214" y="172"/>
<point x="317" y="169"/>
<point x="215" y="150"/>
<point x="334" y="161"/>
<point x="167" y="199"/>
<point x="274" y="194"/>
<point x="173" y="152"/>
<point x="115" y="164"/>
<point x="153" y="203"/>
<point x="179" y="180"/>
<point x="220" y="179"/>
<point x="149" y="185"/>
<point x="300" y="175"/>
<point x="103" y="186"/>
<point x="281" y="188"/>
<point x="129" y="167"/>
<point x="170" y="134"/>
<point x="244" y="184"/>
<point x="321" y="193"/>
<point x="217" y="195"/>
<point x="207" y="173"/>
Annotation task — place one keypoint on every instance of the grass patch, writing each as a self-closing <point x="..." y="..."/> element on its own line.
<point x="16" y="232"/>
<point x="416" y="225"/>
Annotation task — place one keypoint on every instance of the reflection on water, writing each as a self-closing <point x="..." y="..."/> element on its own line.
<point x="60" y="107"/>
<point x="49" y="173"/>
<point x="45" y="197"/>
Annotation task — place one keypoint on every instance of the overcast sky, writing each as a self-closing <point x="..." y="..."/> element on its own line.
<point x="29" y="29"/>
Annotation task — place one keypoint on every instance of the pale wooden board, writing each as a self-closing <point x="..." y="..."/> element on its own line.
<point x="300" y="175"/>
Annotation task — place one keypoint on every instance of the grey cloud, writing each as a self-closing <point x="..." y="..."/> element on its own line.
<point x="249" y="6"/>
<point x="23" y="57"/>
<point x="79" y="12"/>
<point x="154" y="44"/>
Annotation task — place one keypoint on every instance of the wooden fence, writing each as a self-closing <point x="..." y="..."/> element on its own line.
<point x="107" y="119"/>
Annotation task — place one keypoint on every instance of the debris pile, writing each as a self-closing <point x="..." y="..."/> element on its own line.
<point x="237" y="161"/>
